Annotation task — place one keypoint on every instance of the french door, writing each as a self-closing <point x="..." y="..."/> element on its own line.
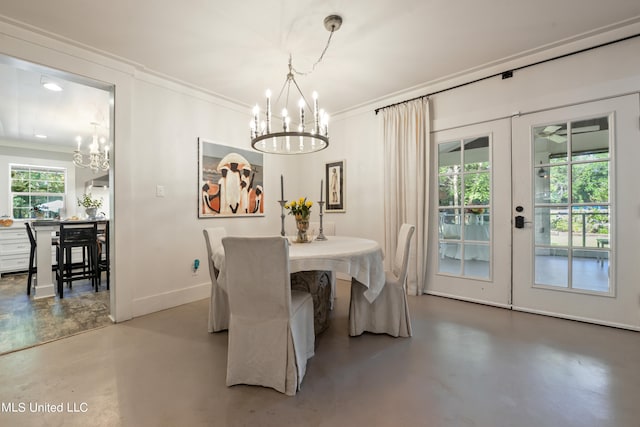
<point x="471" y="223"/>
<point x="576" y="172"/>
<point x="541" y="213"/>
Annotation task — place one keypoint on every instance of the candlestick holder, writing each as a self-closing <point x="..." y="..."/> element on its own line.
<point x="282" y="215"/>
<point x="321" y="235"/>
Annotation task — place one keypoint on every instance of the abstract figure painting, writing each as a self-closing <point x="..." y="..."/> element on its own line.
<point x="230" y="181"/>
<point x="336" y="186"/>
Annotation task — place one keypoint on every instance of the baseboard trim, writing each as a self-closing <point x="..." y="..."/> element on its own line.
<point x="635" y="328"/>
<point x="153" y="303"/>
<point x="473" y="300"/>
<point x="578" y="318"/>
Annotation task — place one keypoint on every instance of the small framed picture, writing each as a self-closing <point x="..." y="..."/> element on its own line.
<point x="336" y="179"/>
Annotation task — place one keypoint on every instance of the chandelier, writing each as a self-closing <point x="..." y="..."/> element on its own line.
<point x="98" y="156"/>
<point x="305" y="136"/>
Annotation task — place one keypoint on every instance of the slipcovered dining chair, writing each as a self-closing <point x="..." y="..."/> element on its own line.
<point x="271" y="332"/>
<point x="389" y="312"/>
<point x="219" y="304"/>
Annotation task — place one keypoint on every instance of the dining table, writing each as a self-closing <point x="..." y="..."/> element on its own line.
<point x="360" y="258"/>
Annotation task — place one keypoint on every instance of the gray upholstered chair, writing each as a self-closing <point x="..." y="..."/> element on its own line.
<point x="219" y="304"/>
<point x="389" y="312"/>
<point x="271" y="326"/>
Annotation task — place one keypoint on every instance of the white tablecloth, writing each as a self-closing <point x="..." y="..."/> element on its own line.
<point x="359" y="258"/>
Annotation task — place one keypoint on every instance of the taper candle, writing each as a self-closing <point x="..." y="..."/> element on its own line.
<point x="281" y="188"/>
<point x="321" y="188"/>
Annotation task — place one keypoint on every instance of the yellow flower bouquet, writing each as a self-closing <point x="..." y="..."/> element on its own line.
<point x="300" y="208"/>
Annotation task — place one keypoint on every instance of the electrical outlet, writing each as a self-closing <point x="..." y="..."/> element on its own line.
<point x="195" y="267"/>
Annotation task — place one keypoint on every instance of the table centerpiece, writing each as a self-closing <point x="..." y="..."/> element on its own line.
<point x="301" y="210"/>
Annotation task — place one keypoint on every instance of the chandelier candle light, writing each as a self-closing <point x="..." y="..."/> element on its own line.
<point x="98" y="153"/>
<point x="306" y="137"/>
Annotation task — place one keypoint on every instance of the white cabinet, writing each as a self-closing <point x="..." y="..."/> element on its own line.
<point x="14" y="249"/>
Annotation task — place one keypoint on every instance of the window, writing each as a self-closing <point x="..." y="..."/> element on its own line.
<point x="42" y="188"/>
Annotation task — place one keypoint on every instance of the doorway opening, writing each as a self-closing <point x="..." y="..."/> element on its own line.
<point x="49" y="116"/>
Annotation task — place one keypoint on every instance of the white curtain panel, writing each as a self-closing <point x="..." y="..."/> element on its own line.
<point x="405" y="130"/>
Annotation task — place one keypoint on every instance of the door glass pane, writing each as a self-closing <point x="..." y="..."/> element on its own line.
<point x="449" y="157"/>
<point x="590" y="182"/>
<point x="450" y="190"/>
<point x="551" y="227"/>
<point x="552" y="267"/>
<point x="552" y="184"/>
<point x="464" y="207"/>
<point x="590" y="139"/>
<point x="550" y="143"/>
<point x="476" y="226"/>
<point x="449" y="260"/>
<point x="450" y="224"/>
<point x="476" y="154"/>
<point x="476" y="189"/>
<point x="589" y="270"/>
<point x="590" y="225"/>
<point x="572" y="240"/>
<point x="476" y="261"/>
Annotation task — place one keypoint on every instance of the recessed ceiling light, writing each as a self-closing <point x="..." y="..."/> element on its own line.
<point x="47" y="83"/>
<point x="40" y="135"/>
<point x="52" y="86"/>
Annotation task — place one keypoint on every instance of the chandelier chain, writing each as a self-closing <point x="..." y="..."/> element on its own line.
<point x="300" y="73"/>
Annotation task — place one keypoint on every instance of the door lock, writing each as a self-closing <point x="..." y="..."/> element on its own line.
<point x="520" y="222"/>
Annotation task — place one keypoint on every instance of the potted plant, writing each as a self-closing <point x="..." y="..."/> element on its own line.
<point x="89" y="204"/>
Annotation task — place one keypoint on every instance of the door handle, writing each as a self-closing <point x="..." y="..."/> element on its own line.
<point x="519" y="221"/>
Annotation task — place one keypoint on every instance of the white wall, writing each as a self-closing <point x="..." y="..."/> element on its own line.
<point x="600" y="73"/>
<point x="167" y="121"/>
<point x="355" y="140"/>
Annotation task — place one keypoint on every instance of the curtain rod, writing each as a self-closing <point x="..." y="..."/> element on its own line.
<point x="509" y="73"/>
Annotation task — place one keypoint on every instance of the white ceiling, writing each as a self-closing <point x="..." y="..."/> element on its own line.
<point x="237" y="49"/>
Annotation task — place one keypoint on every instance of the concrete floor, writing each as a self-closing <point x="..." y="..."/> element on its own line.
<point x="466" y="365"/>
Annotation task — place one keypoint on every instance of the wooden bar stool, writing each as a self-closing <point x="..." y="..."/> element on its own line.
<point x="84" y="236"/>
<point x="104" y="261"/>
